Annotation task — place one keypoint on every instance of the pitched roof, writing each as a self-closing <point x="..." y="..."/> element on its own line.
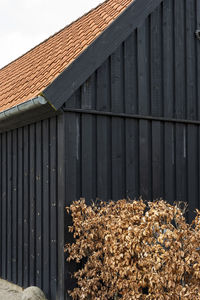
<point x="27" y="76"/>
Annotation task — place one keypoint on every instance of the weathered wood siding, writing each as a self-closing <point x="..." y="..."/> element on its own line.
<point x="28" y="206"/>
<point x="154" y="73"/>
<point x="132" y="129"/>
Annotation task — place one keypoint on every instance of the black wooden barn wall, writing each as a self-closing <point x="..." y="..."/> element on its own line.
<point x="29" y="206"/>
<point x="133" y="127"/>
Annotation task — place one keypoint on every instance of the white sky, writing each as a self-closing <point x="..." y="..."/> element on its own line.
<point x="26" y="23"/>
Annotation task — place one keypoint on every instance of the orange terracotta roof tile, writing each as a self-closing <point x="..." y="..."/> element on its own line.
<point x="27" y="76"/>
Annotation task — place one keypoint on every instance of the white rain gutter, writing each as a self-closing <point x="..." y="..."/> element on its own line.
<point x="23" y="107"/>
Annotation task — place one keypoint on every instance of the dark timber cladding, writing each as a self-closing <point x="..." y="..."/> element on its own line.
<point x="152" y="76"/>
<point x="29" y="205"/>
<point x="71" y="79"/>
<point x="133" y="127"/>
<point x="129" y="127"/>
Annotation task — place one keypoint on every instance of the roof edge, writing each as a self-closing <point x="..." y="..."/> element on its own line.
<point x="51" y="35"/>
<point x="22" y="107"/>
<point x="60" y="90"/>
<point x="26" y="113"/>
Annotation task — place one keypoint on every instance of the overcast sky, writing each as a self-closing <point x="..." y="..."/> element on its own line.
<point x="26" y="23"/>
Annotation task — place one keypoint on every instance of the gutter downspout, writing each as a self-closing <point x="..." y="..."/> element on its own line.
<point x="22" y="108"/>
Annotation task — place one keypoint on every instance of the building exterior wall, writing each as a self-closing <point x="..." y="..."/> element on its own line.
<point x="132" y="129"/>
<point x="29" y="206"/>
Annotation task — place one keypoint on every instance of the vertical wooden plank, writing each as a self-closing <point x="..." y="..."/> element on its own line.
<point x="198" y="85"/>
<point x="198" y="55"/>
<point x="132" y="159"/>
<point x="104" y="163"/>
<point x="180" y="67"/>
<point x="72" y="180"/>
<point x="88" y="93"/>
<point x="61" y="207"/>
<point x="46" y="208"/>
<point x="14" y="206"/>
<point x="181" y="164"/>
<point x="118" y="126"/>
<point x="103" y="100"/>
<point x="117" y="79"/>
<point x="131" y="106"/>
<point x="118" y="159"/>
<point x="9" y="206"/>
<point x="156" y="62"/>
<point x="169" y="99"/>
<point x="192" y="108"/>
<point x="53" y="206"/>
<point x="39" y="205"/>
<point x="157" y="160"/>
<point x="73" y="157"/>
<point x="191" y="83"/>
<point x="145" y="167"/>
<point x="145" y="184"/>
<point x="26" y="205"/>
<point x="88" y="142"/>
<point x="156" y="77"/>
<point x="20" y="207"/>
<point x="168" y="58"/>
<point x="143" y="68"/>
<point x="192" y="170"/>
<point x="88" y="157"/>
<point x="169" y="161"/>
<point x="198" y="149"/>
<point x="131" y="74"/>
<point x="32" y="206"/>
<point x="103" y="133"/>
<point x="4" y="206"/>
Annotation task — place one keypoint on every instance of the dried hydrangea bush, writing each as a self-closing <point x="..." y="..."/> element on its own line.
<point x="134" y="250"/>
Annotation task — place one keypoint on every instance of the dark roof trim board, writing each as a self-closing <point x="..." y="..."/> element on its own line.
<point x="59" y="91"/>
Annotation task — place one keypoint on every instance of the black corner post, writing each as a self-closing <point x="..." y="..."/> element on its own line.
<point x="61" y="208"/>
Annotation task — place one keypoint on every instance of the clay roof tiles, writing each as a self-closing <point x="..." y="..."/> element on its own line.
<point x="27" y="76"/>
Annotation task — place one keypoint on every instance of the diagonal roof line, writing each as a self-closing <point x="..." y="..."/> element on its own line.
<point x="51" y="36"/>
<point x="59" y="91"/>
<point x="27" y="76"/>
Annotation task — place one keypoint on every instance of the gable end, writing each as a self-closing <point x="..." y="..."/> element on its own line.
<point x="70" y="80"/>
